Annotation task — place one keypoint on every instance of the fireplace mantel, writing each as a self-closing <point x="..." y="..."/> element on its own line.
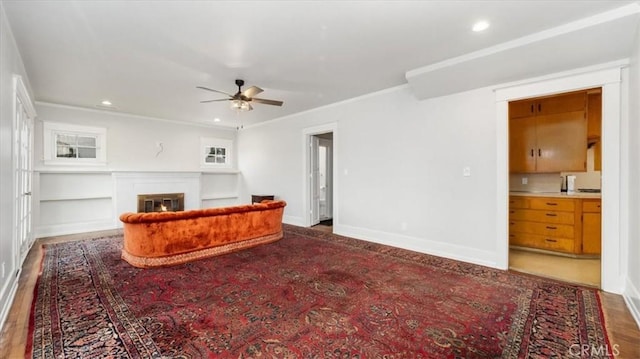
<point x="128" y="185"/>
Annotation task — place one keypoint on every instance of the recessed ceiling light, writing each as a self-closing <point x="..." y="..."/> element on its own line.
<point x="480" y="26"/>
<point x="216" y="120"/>
<point x="106" y="103"/>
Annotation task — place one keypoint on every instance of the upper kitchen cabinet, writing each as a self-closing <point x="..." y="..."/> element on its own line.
<point x="594" y="125"/>
<point x="548" y="134"/>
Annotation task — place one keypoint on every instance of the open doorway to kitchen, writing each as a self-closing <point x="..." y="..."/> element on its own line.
<point x="555" y="167"/>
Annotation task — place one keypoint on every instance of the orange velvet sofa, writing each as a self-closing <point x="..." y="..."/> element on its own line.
<point x="168" y="238"/>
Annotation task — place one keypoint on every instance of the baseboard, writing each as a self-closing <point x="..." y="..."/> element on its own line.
<point x="7" y="296"/>
<point x="74" y="228"/>
<point x="293" y="220"/>
<point x="631" y="296"/>
<point x="422" y="245"/>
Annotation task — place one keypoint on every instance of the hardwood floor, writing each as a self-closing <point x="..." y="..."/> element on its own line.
<point x="624" y="334"/>
<point x="323" y="228"/>
<point x="13" y="339"/>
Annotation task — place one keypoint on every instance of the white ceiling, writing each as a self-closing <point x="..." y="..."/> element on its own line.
<point x="147" y="57"/>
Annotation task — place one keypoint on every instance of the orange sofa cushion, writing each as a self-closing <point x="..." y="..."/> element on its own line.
<point x="166" y="238"/>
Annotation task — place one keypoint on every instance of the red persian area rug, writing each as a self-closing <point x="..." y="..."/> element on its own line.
<point x="309" y="295"/>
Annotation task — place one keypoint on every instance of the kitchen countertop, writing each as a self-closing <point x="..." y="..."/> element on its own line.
<point x="558" y="194"/>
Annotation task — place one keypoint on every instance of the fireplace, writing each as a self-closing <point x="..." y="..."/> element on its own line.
<point x="161" y="202"/>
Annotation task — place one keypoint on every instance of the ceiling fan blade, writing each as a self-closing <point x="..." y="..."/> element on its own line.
<point x="212" y="90"/>
<point x="267" y="102"/>
<point x="222" y="99"/>
<point x="252" y="91"/>
<point x="250" y="107"/>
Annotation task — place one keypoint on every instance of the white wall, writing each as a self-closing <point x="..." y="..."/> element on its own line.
<point x="10" y="64"/>
<point x="132" y="140"/>
<point x="400" y="162"/>
<point x="632" y="290"/>
<point x="75" y="199"/>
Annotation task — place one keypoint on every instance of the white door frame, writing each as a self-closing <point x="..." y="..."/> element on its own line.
<point x="314" y="185"/>
<point x="613" y="265"/>
<point x="23" y="116"/>
<point x="328" y="144"/>
<point x="307" y="133"/>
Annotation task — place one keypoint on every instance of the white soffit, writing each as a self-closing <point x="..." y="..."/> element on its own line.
<point x="598" y="39"/>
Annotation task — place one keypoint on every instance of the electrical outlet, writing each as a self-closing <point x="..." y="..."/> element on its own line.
<point x="525" y="180"/>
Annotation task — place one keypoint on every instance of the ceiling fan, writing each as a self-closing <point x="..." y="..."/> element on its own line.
<point x="241" y="101"/>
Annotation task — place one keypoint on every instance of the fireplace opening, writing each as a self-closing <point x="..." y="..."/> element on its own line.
<point x="160" y="202"/>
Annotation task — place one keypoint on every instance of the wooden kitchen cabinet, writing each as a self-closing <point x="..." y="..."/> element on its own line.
<point x="548" y="134"/>
<point x="567" y="225"/>
<point x="594" y="126"/>
<point x="561" y="142"/>
<point x="543" y="223"/>
<point x="591" y="227"/>
<point x="550" y="105"/>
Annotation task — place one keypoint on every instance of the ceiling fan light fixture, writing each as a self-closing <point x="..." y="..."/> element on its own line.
<point x="240" y="105"/>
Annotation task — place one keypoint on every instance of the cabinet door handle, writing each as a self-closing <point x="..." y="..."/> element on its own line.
<point x="512" y="212"/>
<point x="551" y="204"/>
<point x="552" y="215"/>
<point x="539" y="152"/>
<point x="512" y="236"/>
<point x="552" y="227"/>
<point x="531" y="108"/>
<point x="539" y="107"/>
<point x="551" y="240"/>
<point x="532" y="152"/>
<point x="511" y="223"/>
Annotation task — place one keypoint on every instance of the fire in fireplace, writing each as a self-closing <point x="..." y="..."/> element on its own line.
<point x="161" y="202"/>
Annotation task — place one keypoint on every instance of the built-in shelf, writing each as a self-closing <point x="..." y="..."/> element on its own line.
<point x="220" y="172"/>
<point x="83" y="170"/>
<point x="219" y="196"/>
<point x="66" y="171"/>
<point x="83" y="198"/>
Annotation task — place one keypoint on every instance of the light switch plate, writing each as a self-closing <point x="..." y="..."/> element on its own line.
<point x="466" y="171"/>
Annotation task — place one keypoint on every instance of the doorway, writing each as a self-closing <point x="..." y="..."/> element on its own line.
<point x="608" y="77"/>
<point x="555" y="231"/>
<point x="320" y="182"/>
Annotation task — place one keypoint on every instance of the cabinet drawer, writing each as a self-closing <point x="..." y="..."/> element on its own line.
<point x="533" y="215"/>
<point x="591" y="206"/>
<point x="543" y="229"/>
<point x="518" y="202"/>
<point x="554" y="204"/>
<point x="542" y="242"/>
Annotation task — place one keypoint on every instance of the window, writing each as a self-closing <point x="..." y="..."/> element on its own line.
<point x="215" y="155"/>
<point x="68" y="144"/>
<point x="75" y="146"/>
<point x="216" y="152"/>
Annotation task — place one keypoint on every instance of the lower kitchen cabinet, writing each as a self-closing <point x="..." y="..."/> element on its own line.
<point x="591" y="227"/>
<point x="568" y="225"/>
